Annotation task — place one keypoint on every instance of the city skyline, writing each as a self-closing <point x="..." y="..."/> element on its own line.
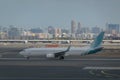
<point x="112" y="32"/>
<point x="59" y="13"/>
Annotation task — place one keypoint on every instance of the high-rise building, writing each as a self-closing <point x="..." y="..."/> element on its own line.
<point x="113" y="28"/>
<point x="73" y="27"/>
<point x="79" y="28"/>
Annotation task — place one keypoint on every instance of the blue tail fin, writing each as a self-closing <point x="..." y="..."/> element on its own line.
<point x="98" y="40"/>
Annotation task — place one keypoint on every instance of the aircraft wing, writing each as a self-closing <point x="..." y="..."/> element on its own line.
<point x="62" y="53"/>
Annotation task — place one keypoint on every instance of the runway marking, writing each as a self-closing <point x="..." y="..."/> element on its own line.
<point x="109" y="74"/>
<point x="101" y="68"/>
<point x="94" y="59"/>
<point x="95" y="73"/>
<point x="91" y="72"/>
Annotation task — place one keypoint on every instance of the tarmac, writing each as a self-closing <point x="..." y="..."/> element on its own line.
<point x="92" y="67"/>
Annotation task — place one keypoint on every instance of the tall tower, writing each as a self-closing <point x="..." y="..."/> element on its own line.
<point x="73" y="27"/>
<point x="78" y="28"/>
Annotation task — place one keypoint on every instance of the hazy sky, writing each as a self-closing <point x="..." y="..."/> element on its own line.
<point x="59" y="13"/>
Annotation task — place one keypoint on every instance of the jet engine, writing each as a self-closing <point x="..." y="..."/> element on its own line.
<point x="50" y="56"/>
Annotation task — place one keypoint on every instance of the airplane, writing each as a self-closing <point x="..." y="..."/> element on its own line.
<point x="60" y="53"/>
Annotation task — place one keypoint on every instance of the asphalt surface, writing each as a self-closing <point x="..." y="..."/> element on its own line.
<point x="74" y="69"/>
<point x="94" y="67"/>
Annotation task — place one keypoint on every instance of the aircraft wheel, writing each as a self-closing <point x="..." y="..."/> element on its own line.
<point x="61" y="57"/>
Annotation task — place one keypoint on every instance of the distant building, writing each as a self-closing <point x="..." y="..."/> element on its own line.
<point x="28" y="33"/>
<point x="58" y="32"/>
<point x="96" y="30"/>
<point x="42" y="35"/>
<point x="79" y="28"/>
<point x="3" y="35"/>
<point x="78" y="31"/>
<point x="113" y="28"/>
<point x="51" y="30"/>
<point x="64" y="31"/>
<point x="85" y="30"/>
<point x="86" y="36"/>
<point x="73" y="27"/>
<point x="13" y="32"/>
<point x="50" y="36"/>
<point x="36" y="30"/>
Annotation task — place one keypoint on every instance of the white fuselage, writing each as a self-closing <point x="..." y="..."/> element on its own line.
<point x="44" y="51"/>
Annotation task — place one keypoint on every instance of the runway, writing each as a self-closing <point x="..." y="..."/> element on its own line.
<point x="68" y="69"/>
<point x="101" y="66"/>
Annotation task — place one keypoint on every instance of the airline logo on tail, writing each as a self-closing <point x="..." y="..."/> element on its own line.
<point x="98" y="40"/>
<point x="96" y="45"/>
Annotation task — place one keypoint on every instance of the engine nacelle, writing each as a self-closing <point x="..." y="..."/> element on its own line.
<point x="50" y="56"/>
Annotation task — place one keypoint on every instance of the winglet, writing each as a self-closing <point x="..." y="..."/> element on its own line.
<point x="98" y="40"/>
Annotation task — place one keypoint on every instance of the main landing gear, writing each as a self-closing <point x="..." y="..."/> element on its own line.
<point x="61" y="57"/>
